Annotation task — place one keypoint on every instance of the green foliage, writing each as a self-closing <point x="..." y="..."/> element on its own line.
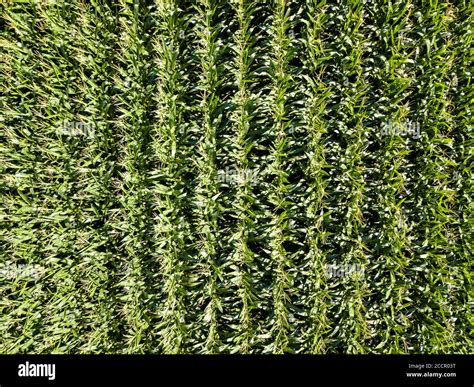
<point x="177" y="176"/>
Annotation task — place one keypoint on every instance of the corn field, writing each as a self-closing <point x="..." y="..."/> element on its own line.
<point x="236" y="176"/>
